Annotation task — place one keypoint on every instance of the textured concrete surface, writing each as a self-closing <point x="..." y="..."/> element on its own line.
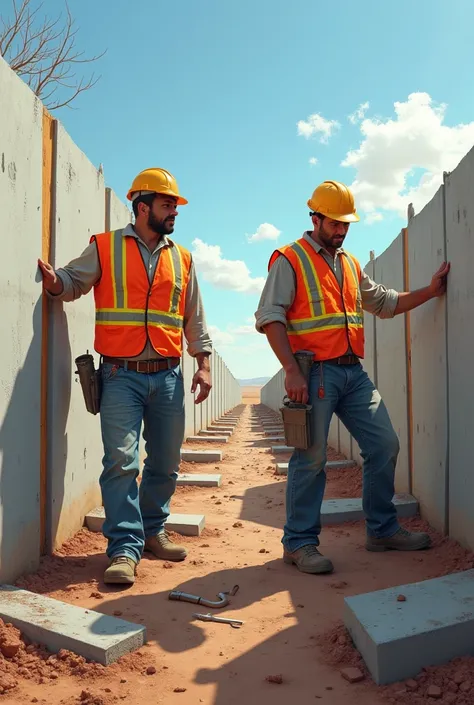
<point x="198" y="480"/>
<point x="208" y="439"/>
<point x="429" y="374"/>
<point x="201" y="456"/>
<point x="20" y="290"/>
<point x="391" y="367"/>
<point x="433" y="625"/>
<point x="185" y="524"/>
<point x="221" y="429"/>
<point x="59" y="625"/>
<point x="274" y="439"/>
<point x="273" y="431"/>
<point x="459" y="185"/>
<point x="337" y="511"/>
<point x="75" y="443"/>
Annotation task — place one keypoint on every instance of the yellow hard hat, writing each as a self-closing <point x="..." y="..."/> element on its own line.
<point x="158" y="181"/>
<point x="334" y="200"/>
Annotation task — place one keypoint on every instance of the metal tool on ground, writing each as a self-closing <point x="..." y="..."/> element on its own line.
<point x="197" y="600"/>
<point x="236" y="623"/>
<point x="296" y="416"/>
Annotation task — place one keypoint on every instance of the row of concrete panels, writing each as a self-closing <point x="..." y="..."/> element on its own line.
<point x="53" y="199"/>
<point x="421" y="363"/>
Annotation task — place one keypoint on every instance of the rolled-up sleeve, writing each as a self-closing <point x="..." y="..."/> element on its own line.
<point x="377" y="299"/>
<point x="195" y="327"/>
<point x="80" y="275"/>
<point x="277" y="296"/>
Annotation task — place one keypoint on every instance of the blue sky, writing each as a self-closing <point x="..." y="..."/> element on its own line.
<point x="236" y="98"/>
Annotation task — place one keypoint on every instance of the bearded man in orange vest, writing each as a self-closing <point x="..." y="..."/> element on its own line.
<point x="146" y="296"/>
<point x="313" y="300"/>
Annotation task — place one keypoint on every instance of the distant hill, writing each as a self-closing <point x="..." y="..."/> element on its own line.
<point x="255" y="382"/>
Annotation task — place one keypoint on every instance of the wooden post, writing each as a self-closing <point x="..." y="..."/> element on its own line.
<point x="49" y="131"/>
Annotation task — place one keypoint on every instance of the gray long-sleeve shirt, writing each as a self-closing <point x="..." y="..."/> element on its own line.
<point x="279" y="290"/>
<point x="81" y="274"/>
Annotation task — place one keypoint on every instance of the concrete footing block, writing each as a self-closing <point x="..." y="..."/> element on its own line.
<point x="201" y="456"/>
<point x="198" y="480"/>
<point x="337" y="511"/>
<point x="431" y="626"/>
<point x="184" y="524"/>
<point x="207" y="432"/>
<point x="282" y="468"/>
<point x="273" y="431"/>
<point x="221" y="429"/>
<point x="59" y="625"/>
<point x="274" y="439"/>
<point x="208" y="439"/>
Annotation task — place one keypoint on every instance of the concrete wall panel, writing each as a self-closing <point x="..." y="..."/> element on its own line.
<point x="391" y="358"/>
<point x="460" y="252"/>
<point x="75" y="447"/>
<point x="428" y="355"/>
<point x="188" y="374"/>
<point x="117" y="214"/>
<point x="20" y="292"/>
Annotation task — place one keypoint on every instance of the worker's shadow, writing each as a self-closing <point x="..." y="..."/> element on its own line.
<point x="291" y="630"/>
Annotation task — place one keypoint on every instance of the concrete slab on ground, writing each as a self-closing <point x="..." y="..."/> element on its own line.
<point x="282" y="468"/>
<point x="431" y="626"/>
<point x="225" y="424"/>
<point x="273" y="431"/>
<point x="221" y="429"/>
<point x="337" y="511"/>
<point x="273" y="439"/>
<point x="207" y="432"/>
<point x="201" y="456"/>
<point x="184" y="524"/>
<point x="59" y="625"/>
<point x="208" y="439"/>
<point x="198" y="480"/>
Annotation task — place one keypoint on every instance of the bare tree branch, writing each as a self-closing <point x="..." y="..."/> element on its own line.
<point x="43" y="52"/>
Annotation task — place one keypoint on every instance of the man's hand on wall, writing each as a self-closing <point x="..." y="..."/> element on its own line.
<point x="438" y="282"/>
<point x="51" y="281"/>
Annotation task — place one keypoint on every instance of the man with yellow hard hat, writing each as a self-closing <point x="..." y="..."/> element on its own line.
<point x="146" y="295"/>
<point x="313" y="301"/>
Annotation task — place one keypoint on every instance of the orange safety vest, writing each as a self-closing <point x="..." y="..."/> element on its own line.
<point x="323" y="318"/>
<point x="130" y="310"/>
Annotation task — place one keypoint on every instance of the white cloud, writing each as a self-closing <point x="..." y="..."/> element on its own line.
<point x="373" y="217"/>
<point x="265" y="231"/>
<point x="220" y="338"/>
<point x="313" y="161"/>
<point x="317" y="125"/>
<point x="402" y="159"/>
<point x="228" y="274"/>
<point x="359" y="114"/>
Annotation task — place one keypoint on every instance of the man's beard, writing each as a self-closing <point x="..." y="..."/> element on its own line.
<point x="328" y="240"/>
<point x="160" y="227"/>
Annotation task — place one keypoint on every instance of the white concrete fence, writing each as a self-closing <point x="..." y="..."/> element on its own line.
<point x="52" y="199"/>
<point x="422" y="362"/>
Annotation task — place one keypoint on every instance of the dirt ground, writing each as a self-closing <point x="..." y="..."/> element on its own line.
<point x="292" y="645"/>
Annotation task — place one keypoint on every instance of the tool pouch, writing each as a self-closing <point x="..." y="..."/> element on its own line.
<point x="296" y="417"/>
<point x="91" y="382"/>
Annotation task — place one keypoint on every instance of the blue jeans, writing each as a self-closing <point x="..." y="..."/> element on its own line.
<point x="129" y="399"/>
<point x="349" y="393"/>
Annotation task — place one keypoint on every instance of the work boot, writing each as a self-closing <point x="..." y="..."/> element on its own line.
<point x="403" y="540"/>
<point x="122" y="571"/>
<point x="308" y="560"/>
<point x="162" y="547"/>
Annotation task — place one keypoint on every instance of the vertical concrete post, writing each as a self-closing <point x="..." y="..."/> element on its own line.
<point x="406" y="283"/>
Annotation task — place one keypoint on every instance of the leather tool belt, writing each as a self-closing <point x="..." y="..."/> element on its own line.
<point x="144" y="366"/>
